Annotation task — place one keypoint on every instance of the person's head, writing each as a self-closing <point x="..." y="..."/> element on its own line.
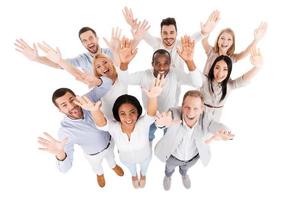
<point x="220" y="72"/>
<point x="89" y="39"/>
<point x="127" y="109"/>
<point x="192" y="107"/>
<point x="103" y="66"/>
<point x="63" y="99"/>
<point x="168" y="31"/>
<point x="161" y="62"/>
<point x="225" y="42"/>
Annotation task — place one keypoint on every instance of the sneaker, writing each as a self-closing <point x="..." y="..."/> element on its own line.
<point x="167" y="183"/>
<point x="186" y="181"/>
<point x="119" y="171"/>
<point x="101" y="180"/>
<point x="142" y="181"/>
<point x="135" y="182"/>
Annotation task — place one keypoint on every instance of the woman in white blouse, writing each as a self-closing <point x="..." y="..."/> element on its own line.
<point x="130" y="130"/>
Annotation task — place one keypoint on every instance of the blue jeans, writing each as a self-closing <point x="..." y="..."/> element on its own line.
<point x="132" y="166"/>
<point x="152" y="130"/>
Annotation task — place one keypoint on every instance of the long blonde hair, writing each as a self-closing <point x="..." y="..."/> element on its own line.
<point x="231" y="50"/>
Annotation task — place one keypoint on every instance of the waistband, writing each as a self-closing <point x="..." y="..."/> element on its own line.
<point x="108" y="144"/>
<point x="197" y="155"/>
<point x="210" y="106"/>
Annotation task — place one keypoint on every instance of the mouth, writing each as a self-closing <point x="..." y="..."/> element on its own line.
<point x="190" y="118"/>
<point x="224" y="46"/>
<point x="75" y="111"/>
<point x="169" y="41"/>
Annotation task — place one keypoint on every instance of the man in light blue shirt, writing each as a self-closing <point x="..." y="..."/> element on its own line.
<point x="79" y="128"/>
<point x="89" y="40"/>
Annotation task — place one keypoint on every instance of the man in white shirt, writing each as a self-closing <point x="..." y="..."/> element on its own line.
<point x="168" y="34"/>
<point x="161" y="62"/>
<point x="187" y="141"/>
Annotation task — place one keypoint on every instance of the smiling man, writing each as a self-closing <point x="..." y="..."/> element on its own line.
<point x="185" y="140"/>
<point x="89" y="40"/>
<point x="79" y="128"/>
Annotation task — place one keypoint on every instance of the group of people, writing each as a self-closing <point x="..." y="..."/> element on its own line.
<point x="107" y="115"/>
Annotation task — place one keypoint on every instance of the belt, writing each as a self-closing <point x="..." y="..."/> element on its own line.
<point x="188" y="160"/>
<point x="210" y="106"/>
<point x="93" y="154"/>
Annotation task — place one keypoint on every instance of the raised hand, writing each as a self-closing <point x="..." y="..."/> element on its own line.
<point x="127" y="50"/>
<point x="220" y="135"/>
<point x="210" y="24"/>
<point x="52" y="145"/>
<point x="260" y="31"/>
<point x="139" y="32"/>
<point x="115" y="40"/>
<point x="156" y="88"/>
<point x="128" y="15"/>
<point x="165" y="119"/>
<point x="186" y="52"/>
<point x="29" y="52"/>
<point x="87" y="104"/>
<point x="51" y="54"/>
<point x="256" y="57"/>
<point x="89" y="79"/>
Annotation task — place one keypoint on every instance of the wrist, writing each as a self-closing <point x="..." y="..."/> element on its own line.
<point x="61" y="156"/>
<point x="124" y="66"/>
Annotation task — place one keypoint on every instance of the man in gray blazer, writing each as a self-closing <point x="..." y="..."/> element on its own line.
<point x="189" y="131"/>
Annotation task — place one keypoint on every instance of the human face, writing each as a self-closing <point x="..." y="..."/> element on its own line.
<point x="161" y="64"/>
<point x="220" y="71"/>
<point x="105" y="67"/>
<point x="192" y="108"/>
<point x="67" y="106"/>
<point x="90" y="41"/>
<point x="225" y="42"/>
<point x="128" y="114"/>
<point x="168" y="35"/>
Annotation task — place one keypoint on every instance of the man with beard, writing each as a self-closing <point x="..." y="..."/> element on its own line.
<point x="79" y="128"/>
<point x="89" y="40"/>
<point x="168" y="34"/>
<point x="188" y="133"/>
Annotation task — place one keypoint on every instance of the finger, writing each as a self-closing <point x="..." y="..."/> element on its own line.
<point x="49" y="137"/>
<point x="24" y="43"/>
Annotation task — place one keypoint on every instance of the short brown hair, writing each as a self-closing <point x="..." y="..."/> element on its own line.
<point x="193" y="93"/>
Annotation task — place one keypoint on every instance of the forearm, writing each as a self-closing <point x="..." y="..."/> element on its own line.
<point x="251" y="73"/>
<point x="46" y="61"/>
<point x="244" y="53"/>
<point x="69" y="68"/>
<point x="152" y="106"/>
<point x="191" y="65"/>
<point x="99" y="118"/>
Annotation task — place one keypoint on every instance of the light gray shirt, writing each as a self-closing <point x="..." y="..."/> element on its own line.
<point x="212" y="99"/>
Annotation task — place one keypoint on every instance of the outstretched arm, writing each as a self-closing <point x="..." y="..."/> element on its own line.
<point x="55" y="56"/>
<point x="186" y="52"/>
<point x="257" y="62"/>
<point x="208" y="27"/>
<point x="220" y="135"/>
<point x="94" y="108"/>
<point x="53" y="146"/>
<point x="127" y="52"/>
<point x="32" y="53"/>
<point x="114" y="44"/>
<point x="258" y="35"/>
<point x="153" y="93"/>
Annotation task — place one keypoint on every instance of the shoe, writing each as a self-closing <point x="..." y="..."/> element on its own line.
<point x="101" y="180"/>
<point x="119" y="171"/>
<point x="186" y="181"/>
<point x="142" y="181"/>
<point x="135" y="182"/>
<point x="167" y="183"/>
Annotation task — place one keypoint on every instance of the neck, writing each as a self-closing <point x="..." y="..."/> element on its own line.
<point x="127" y="129"/>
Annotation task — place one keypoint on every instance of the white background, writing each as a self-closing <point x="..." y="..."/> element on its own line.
<point x="262" y="162"/>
